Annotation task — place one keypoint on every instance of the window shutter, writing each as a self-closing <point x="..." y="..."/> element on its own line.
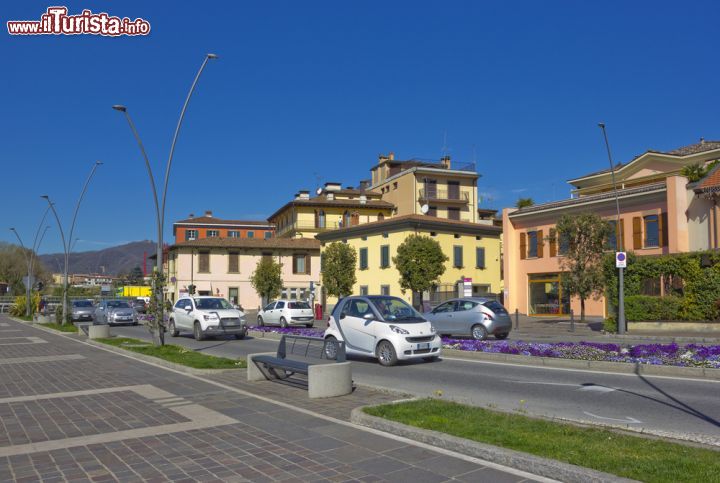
<point x="294" y="263"/>
<point x="523" y="246"/>
<point x="553" y="242"/>
<point x="637" y="233"/>
<point x="307" y="264"/>
<point x="317" y="223"/>
<point x="480" y="255"/>
<point x="621" y="235"/>
<point x="663" y="229"/>
<point x="540" y="244"/>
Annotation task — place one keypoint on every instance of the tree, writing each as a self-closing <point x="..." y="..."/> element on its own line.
<point x="524" y="202"/>
<point x="693" y="172"/>
<point x="582" y="264"/>
<point x="338" y="269"/>
<point x="13" y="267"/>
<point x="420" y="261"/>
<point x="267" y="279"/>
<point x="135" y="276"/>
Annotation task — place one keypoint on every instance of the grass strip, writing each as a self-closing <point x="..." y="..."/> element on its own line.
<point x="623" y="455"/>
<point x="61" y="328"/>
<point x="174" y="353"/>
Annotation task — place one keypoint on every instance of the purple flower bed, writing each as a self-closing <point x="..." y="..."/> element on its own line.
<point x="690" y="355"/>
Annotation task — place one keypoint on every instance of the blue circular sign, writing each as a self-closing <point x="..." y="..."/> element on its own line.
<point x="620" y="257"/>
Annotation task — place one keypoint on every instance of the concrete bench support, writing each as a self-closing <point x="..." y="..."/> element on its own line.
<point x="256" y="373"/>
<point x="329" y="380"/>
<point x="98" y="331"/>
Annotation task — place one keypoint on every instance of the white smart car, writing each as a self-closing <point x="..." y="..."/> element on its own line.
<point x="206" y="316"/>
<point x="383" y="327"/>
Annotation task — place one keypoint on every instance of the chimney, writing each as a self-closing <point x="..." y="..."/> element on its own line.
<point x="303" y="195"/>
<point x="208" y="213"/>
<point x="332" y="186"/>
<point x="445" y="161"/>
<point x="363" y="199"/>
<point x="329" y="195"/>
<point x="364" y="184"/>
<point x="382" y="158"/>
<point x="191" y="216"/>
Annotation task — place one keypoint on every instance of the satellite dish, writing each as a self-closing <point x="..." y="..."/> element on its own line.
<point x="318" y="191"/>
<point x="424" y="209"/>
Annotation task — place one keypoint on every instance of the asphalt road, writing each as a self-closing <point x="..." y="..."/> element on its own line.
<point x="663" y="405"/>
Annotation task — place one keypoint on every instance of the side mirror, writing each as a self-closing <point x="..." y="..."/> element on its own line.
<point x="342" y="316"/>
<point x="369" y="316"/>
<point x="189" y="309"/>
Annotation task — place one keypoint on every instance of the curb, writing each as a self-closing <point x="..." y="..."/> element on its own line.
<point x="604" y="366"/>
<point x="515" y="459"/>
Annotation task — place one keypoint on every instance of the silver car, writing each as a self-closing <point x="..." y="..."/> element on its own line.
<point x="113" y="312"/>
<point x="477" y="317"/>
<point x="82" y="310"/>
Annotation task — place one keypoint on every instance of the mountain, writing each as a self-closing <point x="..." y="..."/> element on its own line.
<point x="117" y="260"/>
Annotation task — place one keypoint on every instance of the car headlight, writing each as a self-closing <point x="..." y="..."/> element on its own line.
<point x="398" y="330"/>
<point x="210" y="317"/>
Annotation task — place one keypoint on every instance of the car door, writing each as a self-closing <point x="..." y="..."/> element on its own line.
<point x="277" y="312"/>
<point x="266" y="312"/>
<point x="442" y="317"/>
<point x="357" y="331"/>
<point x="178" y="312"/>
<point x="465" y="316"/>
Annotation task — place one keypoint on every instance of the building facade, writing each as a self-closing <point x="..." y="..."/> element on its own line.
<point x="660" y="213"/>
<point x="207" y="226"/>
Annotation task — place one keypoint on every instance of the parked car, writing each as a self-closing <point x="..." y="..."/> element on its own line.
<point x="115" y="312"/>
<point x="286" y="313"/>
<point x="477" y="317"/>
<point x="140" y="306"/>
<point x="82" y="310"/>
<point x="383" y="327"/>
<point x="207" y="316"/>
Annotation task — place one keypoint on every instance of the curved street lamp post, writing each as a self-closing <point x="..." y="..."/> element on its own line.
<point x="66" y="245"/>
<point x="30" y="259"/>
<point x="158" y="326"/>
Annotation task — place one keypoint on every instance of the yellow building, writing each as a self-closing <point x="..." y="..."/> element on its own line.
<point x="473" y="250"/>
<point x="332" y="208"/>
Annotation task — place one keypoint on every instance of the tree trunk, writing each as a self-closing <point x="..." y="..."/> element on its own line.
<point x="582" y="310"/>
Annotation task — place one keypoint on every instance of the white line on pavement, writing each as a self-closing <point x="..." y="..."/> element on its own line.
<point x="627" y="420"/>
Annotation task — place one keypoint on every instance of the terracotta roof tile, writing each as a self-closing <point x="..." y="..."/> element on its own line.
<point x="299" y="243"/>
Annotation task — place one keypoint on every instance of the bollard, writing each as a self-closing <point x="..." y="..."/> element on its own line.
<point x="572" y="321"/>
<point x="517" y="319"/>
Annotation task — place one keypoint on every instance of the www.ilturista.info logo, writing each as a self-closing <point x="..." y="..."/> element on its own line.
<point x="56" y="21"/>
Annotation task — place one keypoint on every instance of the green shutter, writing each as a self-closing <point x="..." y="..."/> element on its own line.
<point x="480" y="257"/>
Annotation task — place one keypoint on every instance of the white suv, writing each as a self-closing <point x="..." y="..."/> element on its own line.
<point x="286" y="313"/>
<point x="207" y="316"/>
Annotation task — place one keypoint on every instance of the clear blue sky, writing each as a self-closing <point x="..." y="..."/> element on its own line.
<point x="306" y="89"/>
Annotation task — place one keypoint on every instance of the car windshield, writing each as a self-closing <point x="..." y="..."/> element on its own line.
<point x="298" y="305"/>
<point x="396" y="310"/>
<point x="495" y="306"/>
<point x="118" y="304"/>
<point x="212" y="304"/>
<point x="82" y="303"/>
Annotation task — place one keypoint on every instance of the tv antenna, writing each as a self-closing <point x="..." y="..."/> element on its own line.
<point x="444" y="146"/>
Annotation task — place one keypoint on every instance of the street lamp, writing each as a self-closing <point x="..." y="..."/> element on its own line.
<point x="66" y="245"/>
<point x="30" y="259"/>
<point x="619" y="242"/>
<point x="160" y="201"/>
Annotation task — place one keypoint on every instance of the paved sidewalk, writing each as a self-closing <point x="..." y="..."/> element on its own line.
<point x="73" y="412"/>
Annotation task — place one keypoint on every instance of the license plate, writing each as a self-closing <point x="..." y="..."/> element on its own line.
<point x="423" y="346"/>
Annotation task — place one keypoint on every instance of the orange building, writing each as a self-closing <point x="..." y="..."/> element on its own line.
<point x="207" y="226"/>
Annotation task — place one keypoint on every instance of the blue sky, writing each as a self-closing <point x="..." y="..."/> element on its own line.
<point x="316" y="90"/>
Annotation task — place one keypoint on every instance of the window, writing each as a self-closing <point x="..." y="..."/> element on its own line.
<point x="320" y="219"/>
<point x="363" y="259"/>
<point x="465" y="305"/>
<point x="652" y="231"/>
<point x="443" y="308"/>
<point x="301" y="263"/>
<point x="267" y="255"/>
<point x="432" y="210"/>
<point x="385" y="256"/>
<point x="479" y="257"/>
<point x="532" y="244"/>
<point x="268" y="234"/>
<point x="453" y="213"/>
<point x="563" y="244"/>
<point x="233" y="234"/>
<point x="363" y="289"/>
<point x="251" y="234"/>
<point x="395" y="185"/>
<point x="346" y="220"/>
<point x="458" y="256"/>
<point x="385" y="235"/>
<point x="546" y="295"/>
<point x="204" y="262"/>
<point x="432" y="233"/>
<point x="380" y="217"/>
<point x="233" y="295"/>
<point x="191" y="235"/>
<point x="213" y="233"/>
<point x="233" y="262"/>
<point x="384" y="289"/>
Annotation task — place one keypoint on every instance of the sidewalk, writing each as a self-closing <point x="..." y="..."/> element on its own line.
<point x="74" y="412"/>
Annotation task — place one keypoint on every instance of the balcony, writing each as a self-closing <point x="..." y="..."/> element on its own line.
<point x="444" y="196"/>
<point x="306" y="226"/>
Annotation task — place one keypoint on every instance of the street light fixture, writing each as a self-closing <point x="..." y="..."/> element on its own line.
<point x="66" y="245"/>
<point x="160" y="201"/>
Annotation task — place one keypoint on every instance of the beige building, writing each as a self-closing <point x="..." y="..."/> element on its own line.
<point x="223" y="267"/>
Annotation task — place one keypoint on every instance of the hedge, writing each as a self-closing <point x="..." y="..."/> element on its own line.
<point x="640" y="308"/>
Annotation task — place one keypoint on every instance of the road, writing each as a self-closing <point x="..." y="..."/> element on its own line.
<point x="681" y="407"/>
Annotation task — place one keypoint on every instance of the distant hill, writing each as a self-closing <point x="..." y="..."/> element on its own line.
<point x="117" y="260"/>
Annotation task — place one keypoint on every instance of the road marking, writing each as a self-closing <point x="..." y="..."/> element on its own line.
<point x="596" y="388"/>
<point x="627" y="420"/>
<point x="25" y="360"/>
<point x="33" y="340"/>
<point x="547" y="383"/>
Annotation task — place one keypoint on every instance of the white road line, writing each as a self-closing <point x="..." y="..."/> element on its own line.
<point x="627" y="420"/>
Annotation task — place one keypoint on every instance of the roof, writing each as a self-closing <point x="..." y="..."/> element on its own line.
<point x="269" y="243"/>
<point x="211" y="220"/>
<point x="413" y="222"/>
<point x="589" y="199"/>
<point x="342" y="203"/>
<point x="709" y="183"/>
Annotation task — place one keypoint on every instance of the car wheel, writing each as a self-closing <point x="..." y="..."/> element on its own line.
<point x="386" y="353"/>
<point x="479" y="332"/>
<point x="197" y="331"/>
<point x="309" y="326"/>
<point x="172" y="329"/>
<point x="331" y="347"/>
<point x="260" y="321"/>
<point x="283" y="323"/>
<point x="502" y="336"/>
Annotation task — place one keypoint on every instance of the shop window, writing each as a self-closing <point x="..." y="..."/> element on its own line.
<point x="545" y="295"/>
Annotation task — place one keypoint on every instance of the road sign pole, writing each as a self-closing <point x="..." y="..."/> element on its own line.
<point x="621" y="302"/>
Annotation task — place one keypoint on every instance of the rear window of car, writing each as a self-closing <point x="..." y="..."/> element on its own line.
<point x="118" y="305"/>
<point x="298" y="305"/>
<point x="495" y="306"/>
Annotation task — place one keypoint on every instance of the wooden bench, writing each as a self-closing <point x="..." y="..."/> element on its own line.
<point x="328" y="372"/>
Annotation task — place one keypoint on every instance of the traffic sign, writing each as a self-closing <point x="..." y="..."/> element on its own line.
<point x="620" y="259"/>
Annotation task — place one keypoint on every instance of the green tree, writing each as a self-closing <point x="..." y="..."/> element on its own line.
<point x="136" y="276"/>
<point x="420" y="261"/>
<point x="524" y="202"/>
<point x="693" y="172"/>
<point x="338" y="269"/>
<point x="582" y="265"/>
<point x="267" y="278"/>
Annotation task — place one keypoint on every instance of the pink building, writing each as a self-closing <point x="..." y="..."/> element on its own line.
<point x="660" y="212"/>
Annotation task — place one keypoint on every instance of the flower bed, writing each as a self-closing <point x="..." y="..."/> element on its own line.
<point x="690" y="355"/>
